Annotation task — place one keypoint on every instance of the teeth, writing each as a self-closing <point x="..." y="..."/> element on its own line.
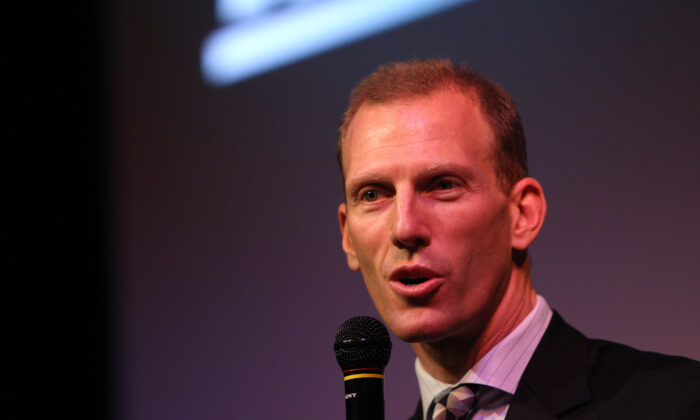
<point x="414" y="281"/>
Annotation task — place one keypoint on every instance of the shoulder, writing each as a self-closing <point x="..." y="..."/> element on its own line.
<point x="653" y="381"/>
<point x="608" y="359"/>
<point x="573" y="376"/>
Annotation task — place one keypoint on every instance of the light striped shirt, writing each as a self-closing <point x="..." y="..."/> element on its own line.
<point x="500" y="368"/>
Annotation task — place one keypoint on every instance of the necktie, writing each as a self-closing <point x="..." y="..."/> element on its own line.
<point x="458" y="404"/>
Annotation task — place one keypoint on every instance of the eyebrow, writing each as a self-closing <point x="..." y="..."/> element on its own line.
<point x="448" y="168"/>
<point x="373" y="178"/>
<point x="362" y="180"/>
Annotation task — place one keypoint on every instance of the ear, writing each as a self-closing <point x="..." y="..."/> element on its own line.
<point x="349" y="249"/>
<point x="528" y="207"/>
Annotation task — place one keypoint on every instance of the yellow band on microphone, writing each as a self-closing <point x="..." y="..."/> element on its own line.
<point x="364" y="375"/>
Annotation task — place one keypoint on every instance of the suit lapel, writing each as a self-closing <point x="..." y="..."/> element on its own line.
<point x="555" y="380"/>
<point x="418" y="415"/>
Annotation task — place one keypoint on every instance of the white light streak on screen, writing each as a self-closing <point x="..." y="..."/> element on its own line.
<point x="229" y="10"/>
<point x="257" y="44"/>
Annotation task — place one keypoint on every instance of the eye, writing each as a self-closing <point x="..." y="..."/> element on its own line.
<point x="445" y="187"/>
<point x="370" y="195"/>
<point x="444" y="184"/>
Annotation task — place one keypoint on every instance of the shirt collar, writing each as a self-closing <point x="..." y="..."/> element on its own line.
<point x="503" y="365"/>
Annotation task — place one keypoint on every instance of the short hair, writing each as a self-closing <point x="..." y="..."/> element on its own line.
<point x="410" y="79"/>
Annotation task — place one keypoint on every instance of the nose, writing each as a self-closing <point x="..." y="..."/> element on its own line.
<point x="410" y="230"/>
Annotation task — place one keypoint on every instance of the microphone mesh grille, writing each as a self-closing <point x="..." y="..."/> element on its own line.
<point x="362" y="342"/>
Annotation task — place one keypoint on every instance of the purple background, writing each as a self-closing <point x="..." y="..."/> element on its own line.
<point x="228" y="273"/>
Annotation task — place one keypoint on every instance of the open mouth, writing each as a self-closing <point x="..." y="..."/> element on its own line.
<point x="412" y="282"/>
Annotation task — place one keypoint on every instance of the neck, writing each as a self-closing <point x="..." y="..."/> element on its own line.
<point x="449" y="360"/>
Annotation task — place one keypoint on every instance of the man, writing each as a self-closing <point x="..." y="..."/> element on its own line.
<point x="438" y="215"/>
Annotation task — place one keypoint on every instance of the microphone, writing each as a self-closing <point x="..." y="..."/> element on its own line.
<point x="362" y="348"/>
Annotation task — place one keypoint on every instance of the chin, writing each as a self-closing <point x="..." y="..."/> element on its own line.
<point x="414" y="328"/>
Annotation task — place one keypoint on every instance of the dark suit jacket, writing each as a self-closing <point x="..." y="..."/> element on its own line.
<point x="573" y="377"/>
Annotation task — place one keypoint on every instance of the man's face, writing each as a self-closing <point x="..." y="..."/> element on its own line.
<point x="424" y="219"/>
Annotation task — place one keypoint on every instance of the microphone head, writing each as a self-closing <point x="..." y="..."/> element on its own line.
<point x="362" y="342"/>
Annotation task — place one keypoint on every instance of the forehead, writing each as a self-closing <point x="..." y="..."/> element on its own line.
<point x="445" y="125"/>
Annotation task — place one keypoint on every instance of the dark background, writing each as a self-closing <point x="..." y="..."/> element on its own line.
<point x="208" y="280"/>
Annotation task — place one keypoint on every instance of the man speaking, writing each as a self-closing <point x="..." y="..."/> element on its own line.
<point x="438" y="216"/>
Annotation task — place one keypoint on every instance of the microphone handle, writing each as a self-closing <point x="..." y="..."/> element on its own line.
<point x="364" y="394"/>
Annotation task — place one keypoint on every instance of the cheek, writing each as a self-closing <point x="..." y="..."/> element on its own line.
<point x="368" y="244"/>
<point x="366" y="236"/>
<point x="482" y="243"/>
<point x="496" y="251"/>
